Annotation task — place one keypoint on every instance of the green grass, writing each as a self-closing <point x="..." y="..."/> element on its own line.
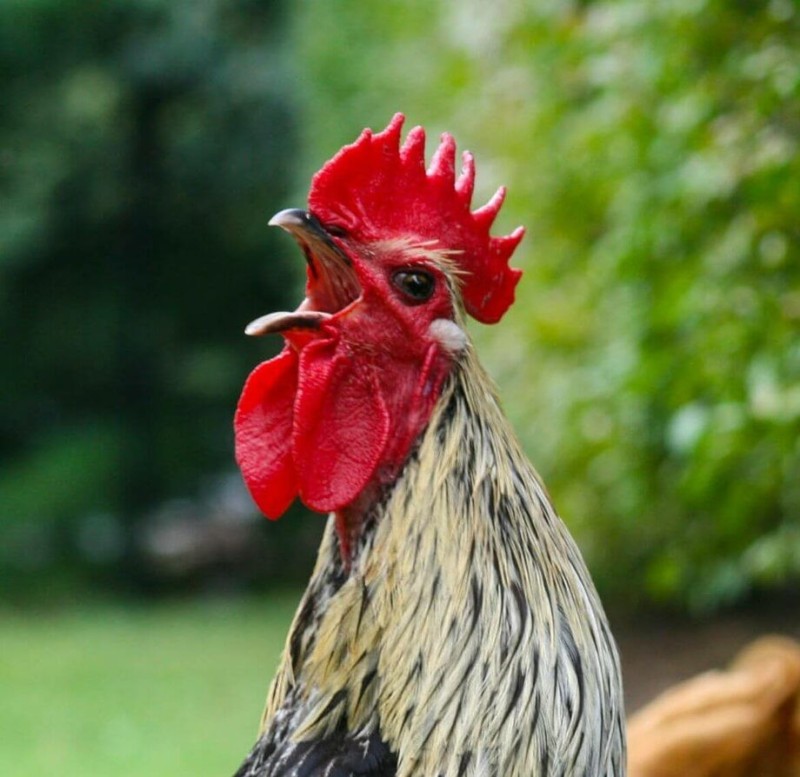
<point x="170" y="690"/>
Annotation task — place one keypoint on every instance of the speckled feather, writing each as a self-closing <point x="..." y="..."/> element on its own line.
<point x="466" y="638"/>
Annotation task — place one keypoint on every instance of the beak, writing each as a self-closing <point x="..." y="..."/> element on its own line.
<point x="332" y="282"/>
<point x="301" y="224"/>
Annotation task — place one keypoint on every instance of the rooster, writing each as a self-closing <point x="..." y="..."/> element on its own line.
<point x="450" y="626"/>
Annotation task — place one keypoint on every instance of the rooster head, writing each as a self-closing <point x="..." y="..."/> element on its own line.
<point x="394" y="255"/>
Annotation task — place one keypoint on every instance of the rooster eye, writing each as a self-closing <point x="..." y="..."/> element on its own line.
<point x="417" y="285"/>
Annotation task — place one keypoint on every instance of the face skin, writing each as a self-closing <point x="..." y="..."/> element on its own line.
<point x="385" y="295"/>
<point x="333" y="417"/>
<point x="405" y="288"/>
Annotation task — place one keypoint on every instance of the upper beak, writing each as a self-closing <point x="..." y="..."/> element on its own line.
<point x="303" y="226"/>
<point x="332" y="281"/>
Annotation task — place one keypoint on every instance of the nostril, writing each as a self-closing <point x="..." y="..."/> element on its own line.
<point x="335" y="230"/>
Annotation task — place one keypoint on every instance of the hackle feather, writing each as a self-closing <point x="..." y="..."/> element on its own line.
<point x="466" y="637"/>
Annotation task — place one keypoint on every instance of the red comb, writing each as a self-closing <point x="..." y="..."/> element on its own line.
<point x="376" y="190"/>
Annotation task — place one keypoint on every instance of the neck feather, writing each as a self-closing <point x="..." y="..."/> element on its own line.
<point x="467" y="620"/>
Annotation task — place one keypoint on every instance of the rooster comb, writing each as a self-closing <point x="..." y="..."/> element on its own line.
<point x="376" y="189"/>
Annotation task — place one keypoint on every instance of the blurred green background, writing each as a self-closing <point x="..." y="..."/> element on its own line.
<point x="651" y="363"/>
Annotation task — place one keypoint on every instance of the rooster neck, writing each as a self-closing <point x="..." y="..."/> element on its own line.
<point x="465" y="629"/>
<point x="411" y="401"/>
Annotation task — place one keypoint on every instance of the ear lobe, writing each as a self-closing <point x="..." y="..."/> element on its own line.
<point x="263" y="432"/>
<point x="341" y="426"/>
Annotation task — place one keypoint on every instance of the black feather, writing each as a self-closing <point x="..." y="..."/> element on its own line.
<point x="342" y="754"/>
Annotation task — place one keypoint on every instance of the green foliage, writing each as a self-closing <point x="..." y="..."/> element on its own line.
<point x="144" y="147"/>
<point x="652" y="362"/>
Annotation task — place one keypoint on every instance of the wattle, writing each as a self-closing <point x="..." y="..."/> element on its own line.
<point x="327" y="421"/>
<point x="263" y="433"/>
<point x="310" y="425"/>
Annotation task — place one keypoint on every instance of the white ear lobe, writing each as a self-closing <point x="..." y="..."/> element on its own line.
<point x="449" y="334"/>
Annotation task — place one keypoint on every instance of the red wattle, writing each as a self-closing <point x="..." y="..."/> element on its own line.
<point x="341" y="425"/>
<point x="263" y="431"/>
<point x="329" y="422"/>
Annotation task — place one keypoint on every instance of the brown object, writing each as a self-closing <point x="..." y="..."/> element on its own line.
<point x="743" y="722"/>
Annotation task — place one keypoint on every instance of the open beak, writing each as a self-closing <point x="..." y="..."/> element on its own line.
<point x="332" y="282"/>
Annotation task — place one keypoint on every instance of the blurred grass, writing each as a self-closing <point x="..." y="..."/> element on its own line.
<point x="171" y="689"/>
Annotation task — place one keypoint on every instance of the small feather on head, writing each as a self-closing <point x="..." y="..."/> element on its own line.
<point x="375" y="189"/>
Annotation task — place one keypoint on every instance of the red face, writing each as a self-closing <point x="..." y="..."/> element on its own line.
<point x="334" y="415"/>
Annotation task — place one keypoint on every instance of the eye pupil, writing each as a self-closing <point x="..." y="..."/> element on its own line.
<point x="415" y="284"/>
